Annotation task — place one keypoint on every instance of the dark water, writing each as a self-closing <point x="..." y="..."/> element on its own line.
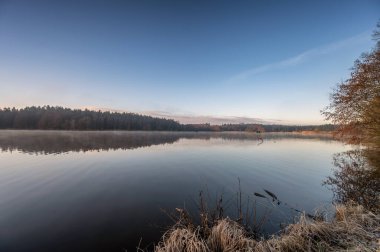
<point x="103" y="191"/>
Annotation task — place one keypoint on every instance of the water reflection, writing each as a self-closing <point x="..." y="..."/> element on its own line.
<point x="355" y="179"/>
<point x="89" y="200"/>
<point x="50" y="142"/>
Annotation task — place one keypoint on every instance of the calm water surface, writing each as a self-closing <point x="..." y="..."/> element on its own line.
<point x="103" y="191"/>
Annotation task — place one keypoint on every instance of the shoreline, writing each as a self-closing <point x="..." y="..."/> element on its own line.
<point x="352" y="229"/>
<point x="176" y="131"/>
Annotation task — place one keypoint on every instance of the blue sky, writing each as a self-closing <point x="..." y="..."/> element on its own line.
<point x="194" y="61"/>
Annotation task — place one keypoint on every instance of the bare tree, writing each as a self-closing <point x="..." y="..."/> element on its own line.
<point x="355" y="103"/>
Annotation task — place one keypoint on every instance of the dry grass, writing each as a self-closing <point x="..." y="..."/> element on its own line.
<point x="227" y="235"/>
<point x="353" y="229"/>
<point x="182" y="239"/>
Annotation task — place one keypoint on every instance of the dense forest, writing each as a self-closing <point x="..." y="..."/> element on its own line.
<point x="59" y="118"/>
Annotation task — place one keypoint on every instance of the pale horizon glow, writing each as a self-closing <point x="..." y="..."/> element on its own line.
<point x="195" y="62"/>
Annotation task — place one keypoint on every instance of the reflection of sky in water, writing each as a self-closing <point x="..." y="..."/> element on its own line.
<point x="96" y="199"/>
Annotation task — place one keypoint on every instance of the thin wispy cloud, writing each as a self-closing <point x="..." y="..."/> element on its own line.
<point x="303" y="57"/>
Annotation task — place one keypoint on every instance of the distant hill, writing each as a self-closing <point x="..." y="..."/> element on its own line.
<point x="59" y="118"/>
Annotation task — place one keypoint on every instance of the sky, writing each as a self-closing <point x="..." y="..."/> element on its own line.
<point x="194" y="61"/>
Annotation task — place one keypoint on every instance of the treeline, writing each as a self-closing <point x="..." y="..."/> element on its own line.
<point x="258" y="127"/>
<point x="59" y="118"/>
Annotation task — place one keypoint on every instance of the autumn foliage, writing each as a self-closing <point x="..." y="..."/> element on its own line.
<point x="355" y="103"/>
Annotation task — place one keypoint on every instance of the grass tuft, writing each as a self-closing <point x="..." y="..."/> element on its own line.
<point x="352" y="229"/>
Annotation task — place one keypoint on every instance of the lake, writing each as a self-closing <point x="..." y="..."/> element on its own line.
<point x="106" y="191"/>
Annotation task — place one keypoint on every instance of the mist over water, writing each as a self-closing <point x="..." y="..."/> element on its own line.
<point x="103" y="191"/>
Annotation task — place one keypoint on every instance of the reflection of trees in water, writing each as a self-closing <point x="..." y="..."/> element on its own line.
<point x="354" y="179"/>
<point x="47" y="142"/>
